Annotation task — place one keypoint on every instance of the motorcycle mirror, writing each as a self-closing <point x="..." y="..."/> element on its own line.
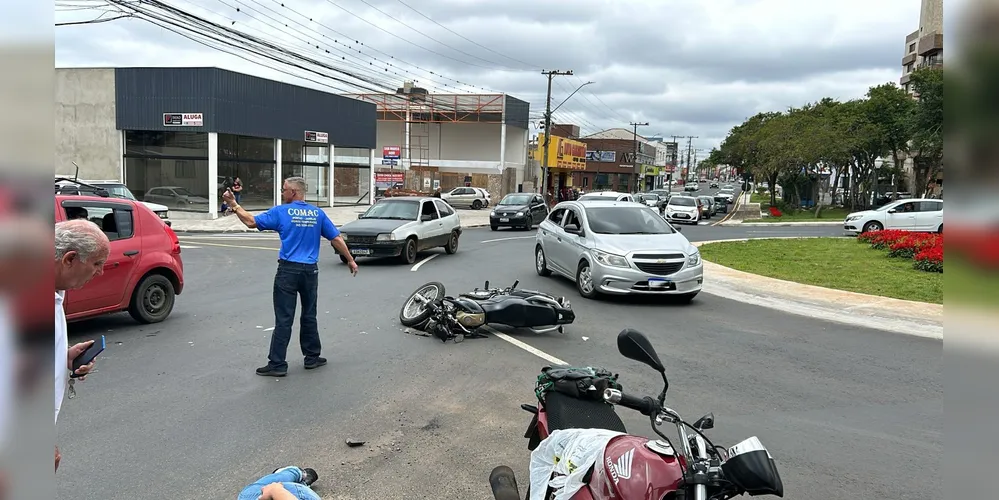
<point x="706" y="422"/>
<point x="632" y="344"/>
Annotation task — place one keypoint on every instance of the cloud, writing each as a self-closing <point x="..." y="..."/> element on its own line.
<point x="688" y="67"/>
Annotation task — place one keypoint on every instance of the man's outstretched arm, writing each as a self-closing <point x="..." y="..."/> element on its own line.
<point x="245" y="217"/>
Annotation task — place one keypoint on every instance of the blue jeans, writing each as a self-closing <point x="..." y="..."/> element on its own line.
<point x="289" y="477"/>
<point x="294" y="280"/>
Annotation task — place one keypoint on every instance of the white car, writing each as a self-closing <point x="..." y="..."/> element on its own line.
<point x="683" y="209"/>
<point x="606" y="196"/>
<point x="467" y="197"/>
<point x="914" y="214"/>
<point x="401" y="227"/>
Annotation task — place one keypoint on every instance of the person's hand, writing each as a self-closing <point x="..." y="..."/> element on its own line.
<point x="275" y="491"/>
<point x="352" y="265"/>
<point x="75" y="351"/>
<point x="228" y="197"/>
<point x="58" y="457"/>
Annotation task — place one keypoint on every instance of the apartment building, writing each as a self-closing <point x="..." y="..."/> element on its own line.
<point x="924" y="47"/>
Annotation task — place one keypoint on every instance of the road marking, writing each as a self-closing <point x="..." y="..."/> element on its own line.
<point x="416" y="267"/>
<point x="237" y="246"/>
<point x="188" y="247"/>
<point x="527" y="347"/>
<point x="268" y="329"/>
<point x="510" y="238"/>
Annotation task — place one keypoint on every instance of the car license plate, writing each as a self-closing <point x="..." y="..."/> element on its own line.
<point x="360" y="251"/>
<point x="504" y="219"/>
<point x="660" y="284"/>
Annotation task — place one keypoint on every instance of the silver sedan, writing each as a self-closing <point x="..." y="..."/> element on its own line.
<point x="614" y="247"/>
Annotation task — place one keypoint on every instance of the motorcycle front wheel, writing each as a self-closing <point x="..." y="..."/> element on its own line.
<point x="414" y="312"/>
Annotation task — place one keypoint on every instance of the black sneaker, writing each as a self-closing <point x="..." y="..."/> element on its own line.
<point x="270" y="371"/>
<point x="315" y="363"/>
<point x="309" y="476"/>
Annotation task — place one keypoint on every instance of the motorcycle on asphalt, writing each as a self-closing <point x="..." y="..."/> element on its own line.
<point x="632" y="467"/>
<point x="456" y="318"/>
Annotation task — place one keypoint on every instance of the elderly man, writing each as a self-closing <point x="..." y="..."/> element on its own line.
<point x="301" y="227"/>
<point x="81" y="249"/>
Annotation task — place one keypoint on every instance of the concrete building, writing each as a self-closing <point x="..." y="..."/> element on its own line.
<point x="174" y="135"/>
<point x="443" y="141"/>
<point x="924" y="47"/>
<point x="612" y="163"/>
<point x="666" y="156"/>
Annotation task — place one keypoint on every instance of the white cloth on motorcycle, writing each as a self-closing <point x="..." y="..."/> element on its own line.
<point x="563" y="460"/>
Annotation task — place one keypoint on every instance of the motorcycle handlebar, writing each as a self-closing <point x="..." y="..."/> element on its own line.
<point x="645" y="405"/>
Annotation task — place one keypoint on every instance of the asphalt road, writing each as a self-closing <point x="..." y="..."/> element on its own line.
<point x="175" y="410"/>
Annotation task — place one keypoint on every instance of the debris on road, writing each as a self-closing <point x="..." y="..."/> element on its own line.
<point x="354" y="443"/>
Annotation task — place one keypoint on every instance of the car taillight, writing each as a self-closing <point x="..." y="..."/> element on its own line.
<point x="173" y="238"/>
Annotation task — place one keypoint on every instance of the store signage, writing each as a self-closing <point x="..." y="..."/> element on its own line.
<point x="391" y="152"/>
<point x="603" y="156"/>
<point x="386" y="161"/>
<point x="564" y="153"/>
<point x="389" y="177"/>
<point x="312" y="136"/>
<point x="183" y="119"/>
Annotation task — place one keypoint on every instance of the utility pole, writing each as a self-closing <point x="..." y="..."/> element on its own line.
<point x="548" y="127"/>
<point x="635" y="159"/>
<point x="689" y="150"/>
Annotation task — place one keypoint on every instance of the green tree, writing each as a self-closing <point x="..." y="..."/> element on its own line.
<point x="891" y="111"/>
<point x="926" y="127"/>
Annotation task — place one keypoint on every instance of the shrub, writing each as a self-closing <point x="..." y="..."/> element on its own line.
<point x="884" y="239"/>
<point x="930" y="259"/>
<point x="911" y="244"/>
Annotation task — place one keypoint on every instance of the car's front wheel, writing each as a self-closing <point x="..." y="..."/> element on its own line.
<point x="584" y="281"/>
<point x="409" y="251"/>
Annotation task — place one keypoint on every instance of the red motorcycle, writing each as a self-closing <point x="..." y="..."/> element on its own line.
<point x="633" y="467"/>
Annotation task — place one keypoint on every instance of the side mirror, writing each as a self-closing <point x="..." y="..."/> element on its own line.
<point x="678" y="229"/>
<point x="573" y="229"/>
<point x="426" y="218"/>
<point x="891" y="211"/>
<point x="360" y="215"/>
<point x="633" y="345"/>
<point x="706" y="422"/>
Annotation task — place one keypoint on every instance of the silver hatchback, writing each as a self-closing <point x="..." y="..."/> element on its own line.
<point x="617" y="247"/>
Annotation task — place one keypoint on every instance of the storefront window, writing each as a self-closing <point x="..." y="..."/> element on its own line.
<point x="351" y="185"/>
<point x="157" y="144"/>
<point x="304" y="152"/>
<point x="316" y="179"/>
<point x="352" y="156"/>
<point x="180" y="184"/>
<point x="257" y="179"/>
<point x="243" y="148"/>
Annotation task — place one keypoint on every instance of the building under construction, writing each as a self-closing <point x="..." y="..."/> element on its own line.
<point x="449" y="140"/>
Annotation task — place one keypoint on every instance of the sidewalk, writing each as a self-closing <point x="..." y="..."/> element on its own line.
<point x="868" y="311"/>
<point x="340" y="216"/>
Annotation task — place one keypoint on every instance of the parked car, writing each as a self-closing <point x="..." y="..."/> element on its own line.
<point x="467" y="197"/>
<point x="914" y="214"/>
<point x="606" y="196"/>
<point x="112" y="189"/>
<point x="615" y="247"/>
<point x="176" y="196"/>
<point x="523" y="210"/>
<point x="402" y="227"/>
<point x="708" y="204"/>
<point x="144" y="272"/>
<point x="685" y="209"/>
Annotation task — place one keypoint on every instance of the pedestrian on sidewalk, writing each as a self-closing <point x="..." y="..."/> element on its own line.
<point x="301" y="227"/>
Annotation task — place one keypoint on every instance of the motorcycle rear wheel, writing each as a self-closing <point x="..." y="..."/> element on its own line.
<point x="413" y="313"/>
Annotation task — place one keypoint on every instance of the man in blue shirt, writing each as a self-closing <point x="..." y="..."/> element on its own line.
<point x="301" y="227"/>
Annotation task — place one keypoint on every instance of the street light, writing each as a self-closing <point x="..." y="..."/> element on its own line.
<point x="548" y="132"/>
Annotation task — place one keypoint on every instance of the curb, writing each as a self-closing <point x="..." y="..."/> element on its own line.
<point x="855" y="309"/>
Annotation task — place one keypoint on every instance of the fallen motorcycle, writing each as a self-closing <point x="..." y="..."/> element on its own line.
<point x="582" y="451"/>
<point x="457" y="318"/>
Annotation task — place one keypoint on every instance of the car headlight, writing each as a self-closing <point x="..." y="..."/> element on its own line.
<point x="694" y="258"/>
<point x="609" y="259"/>
<point x="492" y="214"/>
<point x="520" y="214"/>
<point x="385" y="237"/>
<point x="344" y="236"/>
<point x="852" y="218"/>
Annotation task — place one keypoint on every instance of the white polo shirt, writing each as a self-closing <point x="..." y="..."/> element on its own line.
<point x="61" y="351"/>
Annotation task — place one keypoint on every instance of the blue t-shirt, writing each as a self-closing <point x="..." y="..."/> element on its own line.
<point x="300" y="226"/>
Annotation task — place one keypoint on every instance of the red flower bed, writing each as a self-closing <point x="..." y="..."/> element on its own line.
<point x="925" y="249"/>
<point x="775" y="212"/>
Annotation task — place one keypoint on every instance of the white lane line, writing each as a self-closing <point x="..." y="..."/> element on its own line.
<point x="510" y="238"/>
<point x="268" y="329"/>
<point x="187" y="247"/>
<point x="527" y="347"/>
<point x="416" y="267"/>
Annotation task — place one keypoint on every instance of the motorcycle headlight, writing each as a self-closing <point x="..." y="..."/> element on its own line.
<point x="520" y="214"/>
<point x="609" y="259"/>
<point x="470" y="320"/>
<point x="694" y="259"/>
<point x="385" y="237"/>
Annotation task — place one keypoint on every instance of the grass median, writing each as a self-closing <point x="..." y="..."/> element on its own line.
<point x="840" y="263"/>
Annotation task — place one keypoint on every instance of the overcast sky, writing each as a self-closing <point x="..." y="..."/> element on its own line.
<point x="688" y="67"/>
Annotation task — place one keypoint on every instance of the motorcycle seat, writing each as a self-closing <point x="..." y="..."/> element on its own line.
<point x="567" y="412"/>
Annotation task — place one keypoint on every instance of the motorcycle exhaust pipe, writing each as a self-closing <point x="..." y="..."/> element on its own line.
<point x="504" y="484"/>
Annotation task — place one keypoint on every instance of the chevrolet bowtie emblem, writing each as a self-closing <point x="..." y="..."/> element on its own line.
<point x="660" y="261"/>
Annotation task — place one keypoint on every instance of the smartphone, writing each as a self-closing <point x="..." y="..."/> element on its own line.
<point x="87" y="356"/>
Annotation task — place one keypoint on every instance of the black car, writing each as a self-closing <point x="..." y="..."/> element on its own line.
<point x="722" y="203"/>
<point x="521" y="210"/>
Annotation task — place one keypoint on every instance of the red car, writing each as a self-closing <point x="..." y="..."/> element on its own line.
<point x="144" y="273"/>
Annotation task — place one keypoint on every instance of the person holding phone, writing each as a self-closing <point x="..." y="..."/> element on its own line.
<point x="81" y="249"/>
<point x="301" y="227"/>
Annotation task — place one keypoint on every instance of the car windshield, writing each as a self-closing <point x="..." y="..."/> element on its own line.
<point x="397" y="210"/>
<point x="626" y="220"/>
<point x="682" y="202"/>
<point x="606" y="197"/>
<point x="516" y="199"/>
<point x="117" y="191"/>
<point x="650" y="196"/>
